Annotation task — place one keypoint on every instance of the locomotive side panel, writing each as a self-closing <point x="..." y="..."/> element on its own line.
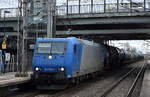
<point x="91" y="60"/>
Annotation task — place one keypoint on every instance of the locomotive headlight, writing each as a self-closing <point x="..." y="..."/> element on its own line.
<point x="50" y="57"/>
<point x="37" y="69"/>
<point x="62" y="69"/>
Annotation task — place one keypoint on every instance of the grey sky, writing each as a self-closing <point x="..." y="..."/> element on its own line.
<point x="8" y="3"/>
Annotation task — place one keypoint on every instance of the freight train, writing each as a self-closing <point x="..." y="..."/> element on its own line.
<point x="59" y="61"/>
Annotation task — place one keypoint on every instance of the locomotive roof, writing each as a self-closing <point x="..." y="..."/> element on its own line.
<point x="87" y="42"/>
<point x="55" y="39"/>
<point x="73" y="39"/>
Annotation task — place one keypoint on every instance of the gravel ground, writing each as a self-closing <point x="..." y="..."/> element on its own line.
<point x="137" y="90"/>
<point x="122" y="89"/>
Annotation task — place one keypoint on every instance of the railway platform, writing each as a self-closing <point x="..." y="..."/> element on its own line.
<point x="145" y="90"/>
<point x="9" y="79"/>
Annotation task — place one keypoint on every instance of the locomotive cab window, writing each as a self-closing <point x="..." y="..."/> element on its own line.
<point x="43" y="48"/>
<point x="58" y="48"/>
<point x="51" y="48"/>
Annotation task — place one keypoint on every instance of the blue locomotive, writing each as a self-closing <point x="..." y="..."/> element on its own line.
<point x="59" y="61"/>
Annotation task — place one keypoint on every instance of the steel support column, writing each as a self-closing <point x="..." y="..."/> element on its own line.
<point x="51" y="24"/>
<point x="67" y="7"/>
<point x="104" y="6"/>
<point x="117" y="5"/>
<point x="91" y="6"/>
<point x="18" y="35"/>
<point x="130" y="5"/>
<point x="79" y="6"/>
<point x="144" y="5"/>
<point x="23" y="39"/>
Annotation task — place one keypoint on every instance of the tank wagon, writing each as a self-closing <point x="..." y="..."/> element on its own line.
<point x="59" y="61"/>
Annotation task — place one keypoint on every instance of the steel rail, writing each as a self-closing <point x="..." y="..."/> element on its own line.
<point x="135" y="81"/>
<point x="118" y="82"/>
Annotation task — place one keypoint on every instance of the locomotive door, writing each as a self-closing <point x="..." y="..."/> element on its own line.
<point x="77" y="56"/>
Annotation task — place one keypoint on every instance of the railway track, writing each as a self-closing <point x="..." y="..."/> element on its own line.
<point x="82" y="86"/>
<point x="138" y="71"/>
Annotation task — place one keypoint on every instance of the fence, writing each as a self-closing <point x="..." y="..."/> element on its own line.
<point x="104" y="8"/>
